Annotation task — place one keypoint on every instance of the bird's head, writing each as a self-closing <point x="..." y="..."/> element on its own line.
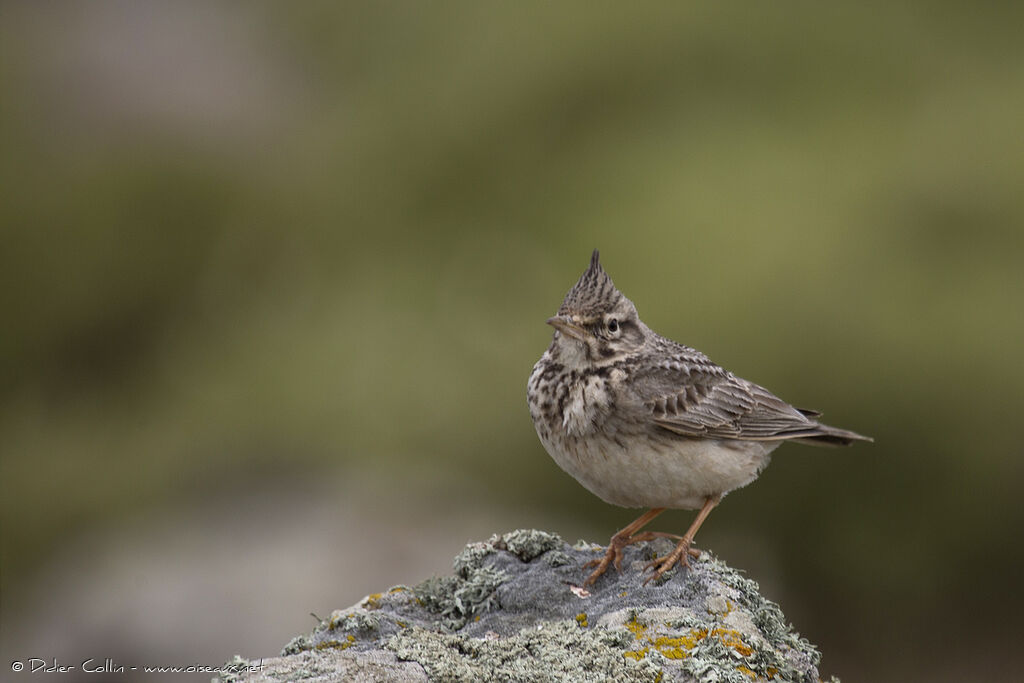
<point x="596" y="324"/>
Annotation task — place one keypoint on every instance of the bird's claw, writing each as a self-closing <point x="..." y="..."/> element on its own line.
<point x="680" y="556"/>
<point x="613" y="556"/>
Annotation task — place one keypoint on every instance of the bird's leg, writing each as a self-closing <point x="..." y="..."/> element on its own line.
<point x="683" y="549"/>
<point x="651" y="535"/>
<point x="620" y="540"/>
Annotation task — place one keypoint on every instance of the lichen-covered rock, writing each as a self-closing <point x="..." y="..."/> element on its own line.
<point x="515" y="610"/>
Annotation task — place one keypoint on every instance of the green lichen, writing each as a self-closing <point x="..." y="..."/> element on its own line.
<point x="558" y="652"/>
<point x="354" y="622"/>
<point x="458" y="599"/>
<point x="725" y="647"/>
<point x="339" y="631"/>
<point x="684" y="619"/>
<point x="298" y="644"/>
<point x="470" y="591"/>
<point x="787" y="647"/>
<point x="527" y="544"/>
<point x="471" y="558"/>
<point x="556" y="558"/>
<point x="434" y="594"/>
<point x="708" y="623"/>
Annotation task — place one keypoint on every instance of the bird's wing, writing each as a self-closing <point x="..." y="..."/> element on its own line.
<point x="690" y="395"/>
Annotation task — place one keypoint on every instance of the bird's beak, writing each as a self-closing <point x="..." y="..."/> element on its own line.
<point x="567" y="327"/>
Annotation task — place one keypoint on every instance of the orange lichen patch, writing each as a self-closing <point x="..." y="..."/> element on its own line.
<point x="678" y="647"/>
<point x="672" y="648"/>
<point x="581" y="619"/>
<point x="372" y="601"/>
<point x="639" y="631"/>
<point x="636" y="628"/>
<point x="733" y="639"/>
<point x="636" y="654"/>
<point x="749" y="672"/>
<point x="349" y="641"/>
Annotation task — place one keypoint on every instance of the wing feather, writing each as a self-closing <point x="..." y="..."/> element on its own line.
<point x="691" y="396"/>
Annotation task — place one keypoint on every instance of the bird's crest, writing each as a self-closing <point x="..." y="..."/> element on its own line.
<point x="593" y="293"/>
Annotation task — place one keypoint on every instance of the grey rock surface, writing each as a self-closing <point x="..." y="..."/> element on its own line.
<point x="515" y="610"/>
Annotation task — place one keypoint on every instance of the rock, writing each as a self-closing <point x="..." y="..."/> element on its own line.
<point x="515" y="610"/>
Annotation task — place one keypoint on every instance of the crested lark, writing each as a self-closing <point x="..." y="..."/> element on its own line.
<point x="642" y="421"/>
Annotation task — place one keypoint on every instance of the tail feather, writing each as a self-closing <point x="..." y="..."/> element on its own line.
<point x="825" y="435"/>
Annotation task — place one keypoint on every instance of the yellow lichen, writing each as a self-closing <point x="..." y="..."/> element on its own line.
<point x="372" y="601"/>
<point x="637" y="629"/>
<point x="581" y="619"/>
<point x="671" y="648"/>
<point x="350" y="640"/>
<point x="744" y="670"/>
<point x="679" y="647"/>
<point x="733" y="639"/>
<point x="636" y="654"/>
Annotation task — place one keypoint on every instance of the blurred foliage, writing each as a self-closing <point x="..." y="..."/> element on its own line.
<point x="326" y="235"/>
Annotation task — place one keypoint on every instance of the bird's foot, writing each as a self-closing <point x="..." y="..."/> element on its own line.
<point x="680" y="555"/>
<point x="613" y="555"/>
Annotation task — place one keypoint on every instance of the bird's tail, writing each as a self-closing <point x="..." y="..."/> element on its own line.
<point x="824" y="435"/>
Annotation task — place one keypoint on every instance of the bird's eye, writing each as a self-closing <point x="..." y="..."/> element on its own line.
<point x="613" y="325"/>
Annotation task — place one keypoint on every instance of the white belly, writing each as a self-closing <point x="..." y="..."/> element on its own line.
<point x="658" y="470"/>
<point x="595" y="434"/>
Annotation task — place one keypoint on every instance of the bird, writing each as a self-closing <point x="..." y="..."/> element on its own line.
<point x="642" y="421"/>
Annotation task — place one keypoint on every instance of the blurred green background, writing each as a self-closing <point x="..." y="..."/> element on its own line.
<point x="274" y="276"/>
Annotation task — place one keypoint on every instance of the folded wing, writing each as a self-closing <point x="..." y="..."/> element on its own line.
<point x="691" y="396"/>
